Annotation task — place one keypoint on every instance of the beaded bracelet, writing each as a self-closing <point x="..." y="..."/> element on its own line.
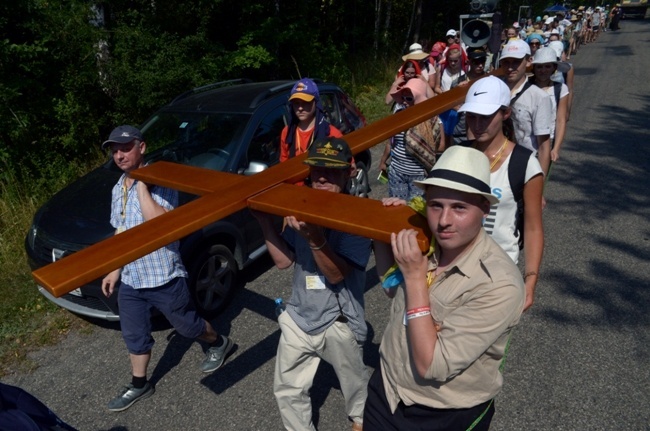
<point x="320" y="246"/>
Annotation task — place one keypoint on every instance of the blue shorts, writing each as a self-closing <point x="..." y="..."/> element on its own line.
<point x="172" y="299"/>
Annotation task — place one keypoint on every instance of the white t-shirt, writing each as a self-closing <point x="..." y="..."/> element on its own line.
<point x="500" y="223"/>
<point x="531" y="116"/>
<point x="595" y="19"/>
<point x="564" y="92"/>
<point x="447" y="79"/>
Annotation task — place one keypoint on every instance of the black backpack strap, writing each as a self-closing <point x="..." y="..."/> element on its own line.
<point x="517" y="170"/>
<point x="557" y="88"/>
<point x="517" y="178"/>
<point x="291" y="140"/>
<point x="527" y="85"/>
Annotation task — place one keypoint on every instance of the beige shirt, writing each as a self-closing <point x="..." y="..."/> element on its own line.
<point x="476" y="302"/>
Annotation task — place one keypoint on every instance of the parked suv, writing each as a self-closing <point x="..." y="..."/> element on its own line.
<point x="231" y="126"/>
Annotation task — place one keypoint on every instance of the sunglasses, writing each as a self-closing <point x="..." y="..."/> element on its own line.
<point x="408" y="99"/>
<point x="534" y="44"/>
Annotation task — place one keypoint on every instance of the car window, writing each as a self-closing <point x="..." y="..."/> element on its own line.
<point x="200" y="139"/>
<point x="265" y="143"/>
<point x="330" y="105"/>
<point x="351" y="118"/>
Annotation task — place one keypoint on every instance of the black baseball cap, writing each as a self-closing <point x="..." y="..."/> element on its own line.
<point x="123" y="135"/>
<point x="329" y="153"/>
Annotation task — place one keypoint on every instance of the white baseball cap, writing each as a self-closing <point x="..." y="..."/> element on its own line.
<point x="452" y="32"/>
<point x="515" y="48"/>
<point x="486" y="96"/>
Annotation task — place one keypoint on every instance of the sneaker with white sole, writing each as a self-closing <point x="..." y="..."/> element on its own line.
<point x="215" y="356"/>
<point x="129" y="396"/>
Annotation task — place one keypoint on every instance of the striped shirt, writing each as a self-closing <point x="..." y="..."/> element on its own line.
<point x="402" y="162"/>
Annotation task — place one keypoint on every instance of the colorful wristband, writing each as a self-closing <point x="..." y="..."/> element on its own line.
<point x="417" y="310"/>
<point x="418" y="314"/>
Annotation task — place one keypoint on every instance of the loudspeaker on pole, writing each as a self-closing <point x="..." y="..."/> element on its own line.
<point x="495" y="38"/>
<point x="475" y="33"/>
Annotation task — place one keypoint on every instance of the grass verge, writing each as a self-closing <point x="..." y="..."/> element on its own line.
<point x="27" y="319"/>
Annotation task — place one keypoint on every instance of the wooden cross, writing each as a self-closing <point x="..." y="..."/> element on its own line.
<point x="222" y="194"/>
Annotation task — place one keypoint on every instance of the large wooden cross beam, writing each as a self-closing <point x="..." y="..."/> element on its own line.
<point x="222" y="194"/>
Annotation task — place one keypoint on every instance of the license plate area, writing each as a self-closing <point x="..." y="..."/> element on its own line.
<point x="57" y="254"/>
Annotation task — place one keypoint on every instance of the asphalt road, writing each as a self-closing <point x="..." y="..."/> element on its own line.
<point x="578" y="361"/>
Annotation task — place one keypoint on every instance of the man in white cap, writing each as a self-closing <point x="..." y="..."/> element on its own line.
<point x="451" y="317"/>
<point x="453" y="37"/>
<point x="596" y="18"/>
<point x="532" y="109"/>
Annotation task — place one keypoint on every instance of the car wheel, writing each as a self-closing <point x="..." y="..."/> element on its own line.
<point x="359" y="184"/>
<point x="213" y="280"/>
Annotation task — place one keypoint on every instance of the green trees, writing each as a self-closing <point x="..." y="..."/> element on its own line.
<point x="72" y="69"/>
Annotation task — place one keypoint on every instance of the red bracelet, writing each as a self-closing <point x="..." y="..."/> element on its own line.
<point x="417" y="310"/>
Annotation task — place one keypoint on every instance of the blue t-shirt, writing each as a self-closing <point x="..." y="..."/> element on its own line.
<point x="315" y="309"/>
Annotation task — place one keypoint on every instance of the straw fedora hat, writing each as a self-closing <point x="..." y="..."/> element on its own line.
<point x="464" y="169"/>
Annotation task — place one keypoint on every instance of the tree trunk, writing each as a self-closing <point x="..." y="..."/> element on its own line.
<point x="377" y="21"/>
<point x="408" y="32"/>
<point x="418" y="21"/>
<point x="389" y="7"/>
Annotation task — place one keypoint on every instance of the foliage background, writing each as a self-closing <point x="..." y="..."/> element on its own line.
<point x="72" y="69"/>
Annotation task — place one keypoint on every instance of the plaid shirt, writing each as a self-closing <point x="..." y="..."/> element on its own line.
<point x="160" y="266"/>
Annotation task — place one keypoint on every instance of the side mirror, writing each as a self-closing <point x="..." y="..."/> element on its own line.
<point x="255" y="168"/>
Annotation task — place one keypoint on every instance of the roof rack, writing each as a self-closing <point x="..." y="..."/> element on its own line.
<point x="210" y="87"/>
<point x="277" y="89"/>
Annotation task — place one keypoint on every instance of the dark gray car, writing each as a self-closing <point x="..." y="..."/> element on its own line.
<point x="231" y="126"/>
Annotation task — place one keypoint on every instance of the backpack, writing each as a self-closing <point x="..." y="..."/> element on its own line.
<point x="517" y="179"/>
<point x="19" y="410"/>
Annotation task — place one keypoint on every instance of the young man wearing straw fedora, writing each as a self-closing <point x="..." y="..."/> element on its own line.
<point x="451" y="317"/>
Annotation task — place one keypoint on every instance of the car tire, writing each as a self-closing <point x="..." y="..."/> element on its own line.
<point x="359" y="184"/>
<point x="213" y="280"/>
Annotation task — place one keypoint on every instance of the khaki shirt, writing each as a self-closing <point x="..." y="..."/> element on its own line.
<point x="476" y="302"/>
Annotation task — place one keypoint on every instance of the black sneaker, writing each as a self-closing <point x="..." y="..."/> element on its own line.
<point x="129" y="396"/>
<point x="215" y="356"/>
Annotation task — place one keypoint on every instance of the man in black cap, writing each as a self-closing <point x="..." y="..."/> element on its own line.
<point x="324" y="318"/>
<point x="155" y="280"/>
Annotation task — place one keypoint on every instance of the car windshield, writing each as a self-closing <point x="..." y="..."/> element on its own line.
<point x="200" y="139"/>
